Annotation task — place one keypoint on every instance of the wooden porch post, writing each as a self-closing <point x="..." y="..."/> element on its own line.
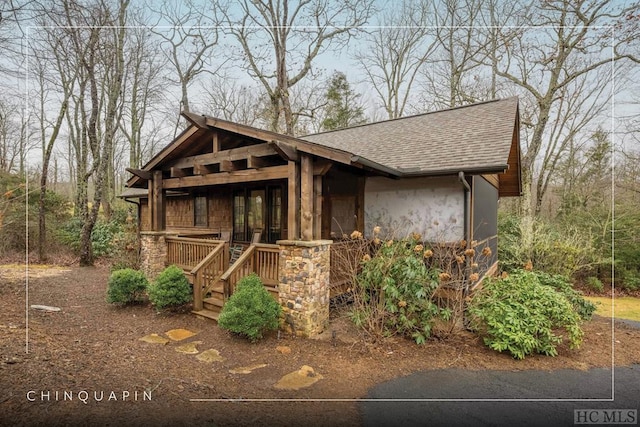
<point x="293" y="206"/>
<point x="317" y="207"/>
<point x="306" y="198"/>
<point x="156" y="202"/>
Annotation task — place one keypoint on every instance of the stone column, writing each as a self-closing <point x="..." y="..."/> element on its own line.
<point x="153" y="253"/>
<point x="303" y="288"/>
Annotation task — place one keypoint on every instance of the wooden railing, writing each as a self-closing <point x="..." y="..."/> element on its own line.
<point x="208" y="273"/>
<point x="345" y="259"/>
<point x="258" y="258"/>
<point x="186" y="252"/>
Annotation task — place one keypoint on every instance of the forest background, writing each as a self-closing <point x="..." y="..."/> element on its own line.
<point x="90" y="88"/>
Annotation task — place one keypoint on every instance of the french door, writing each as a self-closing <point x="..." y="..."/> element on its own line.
<point x="258" y="209"/>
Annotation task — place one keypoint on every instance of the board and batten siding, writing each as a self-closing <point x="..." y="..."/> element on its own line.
<point x="433" y="207"/>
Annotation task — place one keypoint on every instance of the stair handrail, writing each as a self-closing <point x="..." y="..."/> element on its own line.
<point x="240" y="263"/>
<point x="199" y="288"/>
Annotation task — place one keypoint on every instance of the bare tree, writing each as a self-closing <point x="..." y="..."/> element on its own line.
<point x="233" y="101"/>
<point x="395" y="53"/>
<point x="550" y="47"/>
<point x="280" y="41"/>
<point x="95" y="38"/>
<point x="188" y="41"/>
<point x="11" y="135"/>
<point x="62" y="80"/>
<point x="454" y="74"/>
<point x="143" y="88"/>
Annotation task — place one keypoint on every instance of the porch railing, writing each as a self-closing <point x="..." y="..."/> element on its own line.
<point x="258" y="258"/>
<point x="345" y="259"/>
<point x="186" y="252"/>
<point x="208" y="272"/>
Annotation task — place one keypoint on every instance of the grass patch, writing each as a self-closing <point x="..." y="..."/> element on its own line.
<point x="625" y="307"/>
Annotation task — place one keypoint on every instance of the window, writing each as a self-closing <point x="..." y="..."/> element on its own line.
<point x="238" y="216"/>
<point x="257" y="209"/>
<point x="200" y="211"/>
<point x="275" y="217"/>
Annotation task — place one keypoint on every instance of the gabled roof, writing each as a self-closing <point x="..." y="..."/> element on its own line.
<point x="472" y="138"/>
<point x="477" y="138"/>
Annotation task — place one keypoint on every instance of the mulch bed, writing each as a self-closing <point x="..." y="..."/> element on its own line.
<point x="91" y="346"/>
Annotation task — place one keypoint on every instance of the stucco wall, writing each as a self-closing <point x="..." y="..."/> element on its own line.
<point x="433" y="207"/>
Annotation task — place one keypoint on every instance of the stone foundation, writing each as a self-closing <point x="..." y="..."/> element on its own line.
<point x="304" y="286"/>
<point x="153" y="253"/>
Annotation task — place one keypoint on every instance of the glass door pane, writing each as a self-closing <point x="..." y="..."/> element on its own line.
<point x="256" y="212"/>
<point x="275" y="214"/>
<point x="239" y="216"/>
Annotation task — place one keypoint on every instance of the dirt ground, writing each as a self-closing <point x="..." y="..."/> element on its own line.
<point x="94" y="348"/>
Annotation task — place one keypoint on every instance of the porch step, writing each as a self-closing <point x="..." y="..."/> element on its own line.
<point x="208" y="314"/>
<point x="213" y="303"/>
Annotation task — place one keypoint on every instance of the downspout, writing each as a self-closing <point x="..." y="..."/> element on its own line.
<point x="467" y="208"/>
<point x="466" y="237"/>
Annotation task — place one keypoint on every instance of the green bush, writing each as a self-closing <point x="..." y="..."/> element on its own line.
<point x="126" y="286"/>
<point x="170" y="289"/>
<point x="554" y="248"/>
<point x="394" y="291"/>
<point x="114" y="238"/>
<point x="562" y="284"/>
<point x="520" y="315"/>
<point x="250" y="311"/>
<point x="594" y="284"/>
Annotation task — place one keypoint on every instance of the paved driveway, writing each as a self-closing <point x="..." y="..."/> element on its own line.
<point x="565" y="385"/>
<point x="456" y="397"/>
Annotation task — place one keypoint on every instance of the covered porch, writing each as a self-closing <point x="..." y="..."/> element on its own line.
<point x="223" y="202"/>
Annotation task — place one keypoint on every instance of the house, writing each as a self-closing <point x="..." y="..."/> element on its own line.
<point x="221" y="184"/>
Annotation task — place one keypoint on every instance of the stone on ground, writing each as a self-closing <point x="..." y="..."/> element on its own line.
<point x="247" y="369"/>
<point x="154" y="339"/>
<point x="189" y="348"/>
<point x="179" y="334"/>
<point x="45" y="307"/>
<point x="209" y="356"/>
<point x="304" y="377"/>
<point x="283" y="349"/>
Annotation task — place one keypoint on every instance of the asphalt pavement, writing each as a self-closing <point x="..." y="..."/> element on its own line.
<point x="458" y="397"/>
<point x="497" y="398"/>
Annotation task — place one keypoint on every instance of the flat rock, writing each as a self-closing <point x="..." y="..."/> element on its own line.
<point x="179" y="334"/>
<point x="302" y="378"/>
<point x="210" y="356"/>
<point x="154" y="339"/>
<point x="189" y="348"/>
<point x="45" y="307"/>
<point x="283" y="349"/>
<point x="247" y="369"/>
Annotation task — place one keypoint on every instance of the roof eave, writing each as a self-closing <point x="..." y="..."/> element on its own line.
<point x="478" y="170"/>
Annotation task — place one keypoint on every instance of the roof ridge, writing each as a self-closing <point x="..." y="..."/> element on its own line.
<point x="459" y="107"/>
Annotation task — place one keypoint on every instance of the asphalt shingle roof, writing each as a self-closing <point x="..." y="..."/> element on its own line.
<point x="465" y="138"/>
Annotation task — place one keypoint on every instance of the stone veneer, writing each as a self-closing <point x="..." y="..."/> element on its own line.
<point x="153" y="253"/>
<point x="304" y="286"/>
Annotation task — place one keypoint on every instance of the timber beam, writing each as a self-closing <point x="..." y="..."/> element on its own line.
<point x="306" y="198"/>
<point x="247" y="175"/>
<point x="157" y="202"/>
<point x="293" y="209"/>
<point x="254" y="162"/>
<point x="230" y="165"/>
<point x="178" y="172"/>
<point x="202" y="169"/>
<point x="286" y="151"/>
<point x="321" y="167"/>
<point x="146" y="175"/>
<point x="258" y="150"/>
